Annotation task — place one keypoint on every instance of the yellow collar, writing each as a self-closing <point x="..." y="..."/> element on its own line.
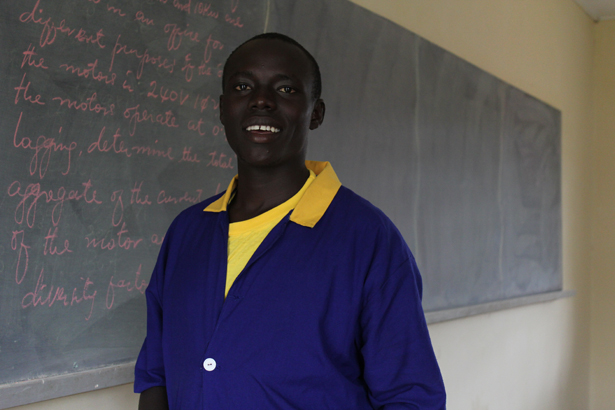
<point x="312" y="205"/>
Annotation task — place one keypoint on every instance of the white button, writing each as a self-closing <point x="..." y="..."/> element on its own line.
<point x="209" y="364"/>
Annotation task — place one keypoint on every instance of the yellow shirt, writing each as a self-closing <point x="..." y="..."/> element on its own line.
<point x="246" y="236"/>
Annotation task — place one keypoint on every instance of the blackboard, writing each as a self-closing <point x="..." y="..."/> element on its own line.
<point x="109" y="128"/>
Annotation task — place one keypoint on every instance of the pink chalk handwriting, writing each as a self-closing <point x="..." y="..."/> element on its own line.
<point x="204" y="103"/>
<point x="135" y="196"/>
<point x="140" y="16"/>
<point x="185" y="7"/>
<point x="157" y="240"/>
<point x="220" y="160"/>
<point x="104" y="144"/>
<point x="233" y="21"/>
<point x="123" y="242"/>
<point x="28" y="58"/>
<point x="24" y="88"/>
<point x="177" y="34"/>
<point x="166" y="94"/>
<point x="91" y="71"/>
<point x="188" y="68"/>
<point x="136" y="117"/>
<point x="234" y="5"/>
<point x="210" y="47"/>
<point x="51" y="29"/>
<point x="138" y="284"/>
<point x="32" y="194"/>
<point x="164" y="198"/>
<point x="143" y="57"/>
<point x="17" y="243"/>
<point x="118" y="208"/>
<point x="188" y="156"/>
<point x="115" y="10"/>
<point x="154" y="152"/>
<point x="89" y="105"/>
<point x="204" y="9"/>
<point x="196" y="126"/>
<point x="50" y="248"/>
<point x="35" y="298"/>
<point x="43" y="147"/>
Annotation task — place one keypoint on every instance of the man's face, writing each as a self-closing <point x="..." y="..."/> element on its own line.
<point x="267" y="106"/>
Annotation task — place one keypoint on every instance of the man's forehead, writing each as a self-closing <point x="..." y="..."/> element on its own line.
<point x="285" y="59"/>
<point x="272" y="48"/>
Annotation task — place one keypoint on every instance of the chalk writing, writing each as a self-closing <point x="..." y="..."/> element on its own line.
<point x="90" y="71"/>
<point x="35" y="298"/>
<point x="204" y="103"/>
<point x="164" y="198"/>
<point x="167" y="119"/>
<point x="234" y="21"/>
<point x="210" y="46"/>
<point x="204" y="9"/>
<point x="144" y="58"/>
<point x="89" y="104"/>
<point x="25" y="211"/>
<point x="28" y="58"/>
<point x="140" y="17"/>
<point x="135" y="195"/>
<point x="220" y="160"/>
<point x="188" y="156"/>
<point x="103" y="144"/>
<point x="122" y="242"/>
<point x="188" y="68"/>
<point x="42" y="147"/>
<point x="185" y="7"/>
<point x="50" y="248"/>
<point x="34" y="100"/>
<point x="177" y="34"/>
<point x="116" y="10"/>
<point x="166" y="94"/>
<point x="138" y="284"/>
<point x="197" y="126"/>
<point x="17" y="244"/>
<point x="51" y="29"/>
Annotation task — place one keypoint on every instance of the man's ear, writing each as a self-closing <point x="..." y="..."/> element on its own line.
<point x="221" y="108"/>
<point x="318" y="113"/>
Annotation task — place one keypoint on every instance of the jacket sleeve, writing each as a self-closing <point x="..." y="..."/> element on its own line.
<point x="400" y="366"/>
<point x="149" y="369"/>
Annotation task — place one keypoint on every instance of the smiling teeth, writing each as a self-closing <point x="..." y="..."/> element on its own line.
<point x="262" y="128"/>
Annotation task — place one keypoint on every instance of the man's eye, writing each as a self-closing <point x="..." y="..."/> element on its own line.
<point x="242" y="87"/>
<point x="287" y="89"/>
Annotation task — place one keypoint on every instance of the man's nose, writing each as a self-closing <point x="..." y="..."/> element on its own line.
<point x="263" y="99"/>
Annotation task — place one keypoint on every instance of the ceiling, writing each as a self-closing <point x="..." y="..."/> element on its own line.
<point x="598" y="9"/>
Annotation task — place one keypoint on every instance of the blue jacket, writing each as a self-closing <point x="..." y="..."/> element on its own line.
<point x="326" y="315"/>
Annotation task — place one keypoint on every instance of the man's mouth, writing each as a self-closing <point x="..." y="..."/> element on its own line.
<point x="262" y="128"/>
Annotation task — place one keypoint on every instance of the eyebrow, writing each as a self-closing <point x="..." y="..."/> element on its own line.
<point x="251" y="74"/>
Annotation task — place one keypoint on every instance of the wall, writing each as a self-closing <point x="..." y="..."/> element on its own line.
<point x="535" y="357"/>
<point x="603" y="223"/>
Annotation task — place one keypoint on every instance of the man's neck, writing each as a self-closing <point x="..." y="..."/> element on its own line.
<point x="262" y="189"/>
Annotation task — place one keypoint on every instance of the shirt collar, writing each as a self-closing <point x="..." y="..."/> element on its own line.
<point x="312" y="205"/>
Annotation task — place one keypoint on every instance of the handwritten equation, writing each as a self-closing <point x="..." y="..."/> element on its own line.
<point x="109" y="129"/>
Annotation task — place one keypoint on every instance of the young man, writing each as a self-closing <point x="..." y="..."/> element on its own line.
<point x="288" y="291"/>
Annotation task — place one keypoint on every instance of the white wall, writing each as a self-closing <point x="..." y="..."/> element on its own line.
<point x="536" y="357"/>
<point x="603" y="223"/>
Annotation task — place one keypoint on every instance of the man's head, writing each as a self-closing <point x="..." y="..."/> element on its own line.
<point x="316" y="79"/>
<point x="268" y="103"/>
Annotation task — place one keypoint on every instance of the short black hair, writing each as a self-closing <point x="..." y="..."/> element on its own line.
<point x="316" y="83"/>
